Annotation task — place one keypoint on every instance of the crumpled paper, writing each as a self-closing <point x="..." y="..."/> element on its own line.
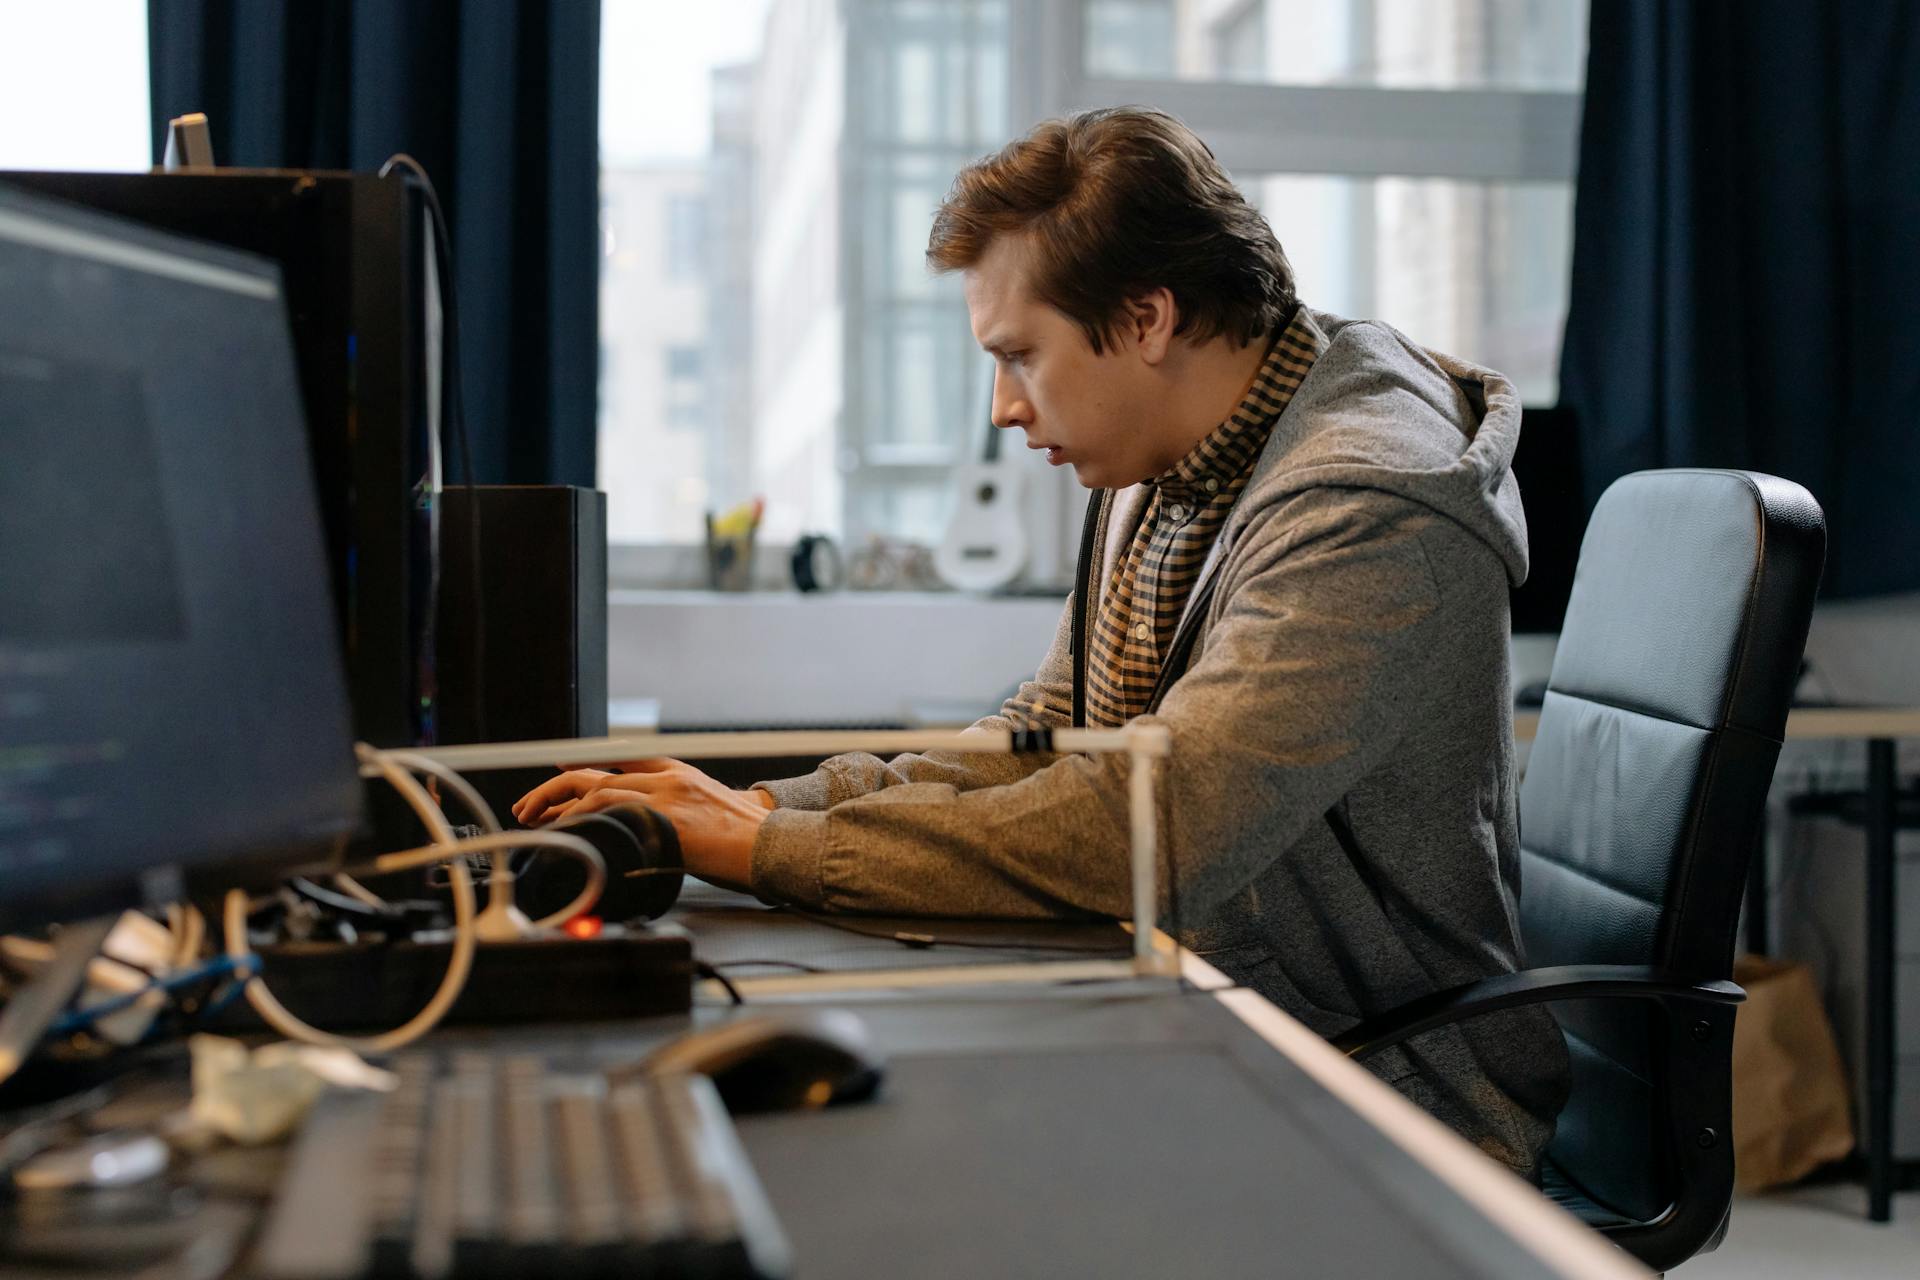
<point x="255" y="1096"/>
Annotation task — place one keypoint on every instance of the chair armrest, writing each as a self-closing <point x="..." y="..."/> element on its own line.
<point x="1529" y="987"/>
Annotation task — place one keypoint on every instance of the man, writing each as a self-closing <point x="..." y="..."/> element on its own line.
<point x="1297" y="561"/>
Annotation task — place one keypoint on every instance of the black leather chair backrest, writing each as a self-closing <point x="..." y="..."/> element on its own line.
<point x="1645" y="790"/>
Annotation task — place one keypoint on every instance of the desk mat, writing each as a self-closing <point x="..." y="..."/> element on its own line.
<point x="1105" y="1137"/>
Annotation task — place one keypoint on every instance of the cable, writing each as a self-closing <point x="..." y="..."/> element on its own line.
<point x="457" y="415"/>
<point x="344" y="903"/>
<point x="705" y="970"/>
<point x="165" y="984"/>
<point x="500" y="880"/>
<point x="459" y="964"/>
<point x="195" y="935"/>
<point x="770" y="964"/>
<point x="428" y="855"/>
<point x="354" y="889"/>
<point x="500" y="921"/>
<point x="475" y="802"/>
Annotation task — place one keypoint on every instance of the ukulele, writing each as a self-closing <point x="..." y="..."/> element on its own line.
<point x="985" y="546"/>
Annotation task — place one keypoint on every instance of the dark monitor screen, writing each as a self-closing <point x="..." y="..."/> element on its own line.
<point x="353" y="253"/>
<point x="1547" y="465"/>
<point x="173" y="714"/>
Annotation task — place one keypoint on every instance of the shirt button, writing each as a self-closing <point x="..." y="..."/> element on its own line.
<point x="1177" y="511"/>
<point x="1213" y="486"/>
<point x="1139" y="631"/>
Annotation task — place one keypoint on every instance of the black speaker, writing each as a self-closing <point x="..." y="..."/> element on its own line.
<point x="525" y="657"/>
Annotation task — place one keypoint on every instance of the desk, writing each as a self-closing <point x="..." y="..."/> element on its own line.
<point x="1127" y="1127"/>
<point x="1881" y="727"/>
<point x="1139" y="1127"/>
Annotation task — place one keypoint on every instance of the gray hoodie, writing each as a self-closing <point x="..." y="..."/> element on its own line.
<point x="1349" y="667"/>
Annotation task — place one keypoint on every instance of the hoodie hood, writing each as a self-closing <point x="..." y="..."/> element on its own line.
<point x="1379" y="411"/>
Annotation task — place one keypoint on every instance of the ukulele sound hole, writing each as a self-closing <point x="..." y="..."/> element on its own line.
<point x="985" y="493"/>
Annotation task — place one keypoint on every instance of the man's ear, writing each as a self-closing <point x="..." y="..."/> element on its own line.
<point x="1151" y="320"/>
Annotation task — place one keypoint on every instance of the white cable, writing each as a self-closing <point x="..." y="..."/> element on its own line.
<point x="176" y="931"/>
<point x="476" y="804"/>
<point x="193" y="934"/>
<point x="375" y="760"/>
<point x="411" y="791"/>
<point x="426" y="855"/>
<point x="354" y="889"/>
<point x="501" y="921"/>
<point x="459" y="964"/>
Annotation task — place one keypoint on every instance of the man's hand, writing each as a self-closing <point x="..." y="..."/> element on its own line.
<point x="716" y="824"/>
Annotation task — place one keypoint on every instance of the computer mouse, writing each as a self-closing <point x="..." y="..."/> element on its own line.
<point x="777" y="1062"/>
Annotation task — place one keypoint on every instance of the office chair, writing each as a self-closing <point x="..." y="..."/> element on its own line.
<point x="1644" y="799"/>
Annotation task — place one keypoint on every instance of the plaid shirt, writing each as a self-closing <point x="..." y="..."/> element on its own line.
<point x="1183" y="514"/>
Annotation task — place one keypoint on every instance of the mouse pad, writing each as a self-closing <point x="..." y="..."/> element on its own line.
<point x="1031" y="1163"/>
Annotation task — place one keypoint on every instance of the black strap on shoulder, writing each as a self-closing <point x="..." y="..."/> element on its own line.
<point x="1083" y="580"/>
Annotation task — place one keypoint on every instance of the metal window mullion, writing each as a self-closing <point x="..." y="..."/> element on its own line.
<point x="855" y="395"/>
<point x="1486" y="135"/>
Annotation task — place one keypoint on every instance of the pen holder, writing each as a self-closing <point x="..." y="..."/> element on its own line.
<point x="729" y="559"/>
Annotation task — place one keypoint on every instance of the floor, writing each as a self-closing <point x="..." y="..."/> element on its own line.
<point x="1814" y="1231"/>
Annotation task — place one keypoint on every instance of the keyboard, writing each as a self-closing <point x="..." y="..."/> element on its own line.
<point x="483" y="1164"/>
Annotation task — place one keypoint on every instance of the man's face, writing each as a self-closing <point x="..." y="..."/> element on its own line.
<point x="1085" y="409"/>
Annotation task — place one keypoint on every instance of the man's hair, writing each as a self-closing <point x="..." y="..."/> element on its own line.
<point x="1115" y="203"/>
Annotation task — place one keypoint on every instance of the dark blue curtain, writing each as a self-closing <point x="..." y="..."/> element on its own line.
<point x="499" y="100"/>
<point x="1746" y="260"/>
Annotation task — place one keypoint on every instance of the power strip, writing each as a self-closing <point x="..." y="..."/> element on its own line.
<point x="367" y="986"/>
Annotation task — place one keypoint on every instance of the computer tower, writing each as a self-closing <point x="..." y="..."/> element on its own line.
<point x="355" y="255"/>
<point x="527" y="659"/>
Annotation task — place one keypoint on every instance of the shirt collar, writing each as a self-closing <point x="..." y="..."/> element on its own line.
<point x="1230" y="448"/>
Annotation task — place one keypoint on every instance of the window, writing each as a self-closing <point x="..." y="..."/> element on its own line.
<point x="1386" y="44"/>
<point x="1472" y="268"/>
<point x="686" y="235"/>
<point x="73" y="86"/>
<point x="1415" y="157"/>
<point x="770" y="169"/>
<point x="683" y="364"/>
<point x="685" y="394"/>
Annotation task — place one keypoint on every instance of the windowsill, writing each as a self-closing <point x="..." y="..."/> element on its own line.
<point x="689" y="597"/>
<point x="778" y="657"/>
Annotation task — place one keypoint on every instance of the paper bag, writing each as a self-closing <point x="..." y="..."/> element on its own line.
<point x="1790" y="1112"/>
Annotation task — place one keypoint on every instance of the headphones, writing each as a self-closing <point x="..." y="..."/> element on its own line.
<point x="644" y="870"/>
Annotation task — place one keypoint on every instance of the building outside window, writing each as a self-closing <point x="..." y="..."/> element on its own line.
<point x="786" y="157"/>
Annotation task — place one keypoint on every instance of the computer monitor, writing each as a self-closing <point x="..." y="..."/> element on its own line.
<point x="173" y="711"/>
<point x="1547" y="465"/>
<point x="355" y="255"/>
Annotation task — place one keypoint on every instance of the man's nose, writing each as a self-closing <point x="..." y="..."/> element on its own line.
<point x="1010" y="409"/>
